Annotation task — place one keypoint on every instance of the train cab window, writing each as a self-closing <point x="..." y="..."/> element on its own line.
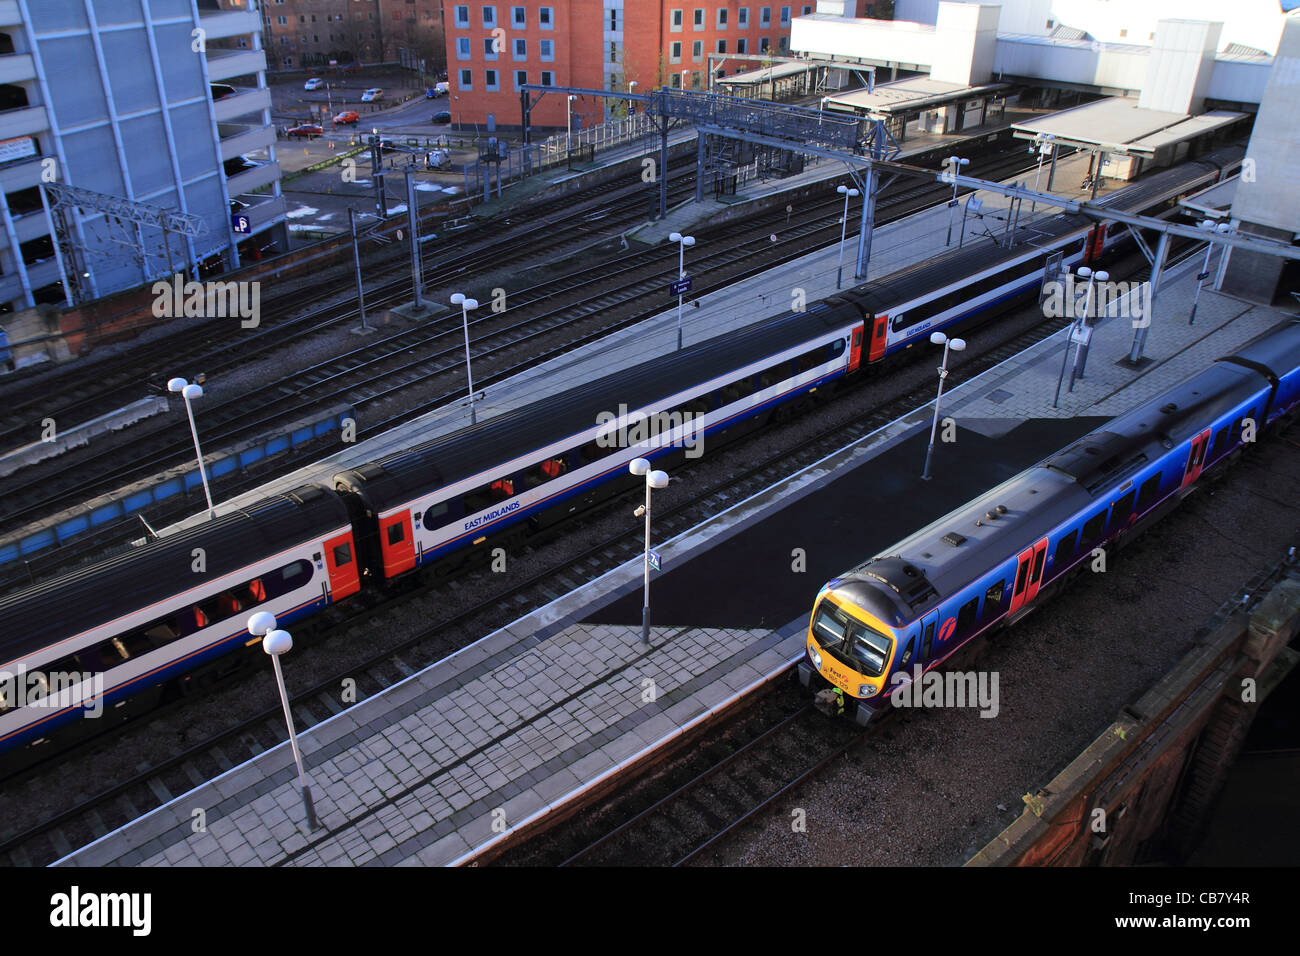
<point x="907" y="653"/>
<point x="396" y="533"/>
<point x="1123" y="508"/>
<point x="927" y="641"/>
<point x="1093" y="530"/>
<point x="1147" y="494"/>
<point x="966" y="616"/>
<point x="436" y="515"/>
<point x="1064" y="550"/>
<point x="993" y="599"/>
<point x="342" y="554"/>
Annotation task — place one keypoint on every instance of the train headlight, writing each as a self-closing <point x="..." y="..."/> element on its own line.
<point x="866" y="690"/>
<point x="816" y="658"/>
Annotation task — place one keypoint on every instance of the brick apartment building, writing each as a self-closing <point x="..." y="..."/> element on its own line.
<point x="492" y="48"/>
<point x="308" y="34"/>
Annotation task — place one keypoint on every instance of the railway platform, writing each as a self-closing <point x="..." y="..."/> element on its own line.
<point x="473" y="750"/>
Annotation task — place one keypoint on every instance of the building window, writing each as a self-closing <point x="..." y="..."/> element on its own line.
<point x="722" y="18"/>
<point x="489" y="16"/>
<point x="722" y="46"/>
<point x="466" y="80"/>
<point x="547" y="78"/>
<point x="490" y="80"/>
<point x="519" y="16"/>
<point x="676" y="79"/>
<point x="697" y="50"/>
<point x="613" y="21"/>
<point x="281" y="20"/>
<point x="699" y="18"/>
<point x="675" y="52"/>
<point x="785" y="16"/>
<point x="763" y="46"/>
<point x="806" y="9"/>
<point x="547" y="49"/>
<point x="545" y="19"/>
<point x="521" y="49"/>
<point x="742" y="17"/>
<point x="490" y="48"/>
<point x="613" y="52"/>
<point x="742" y="45"/>
<point x="675" y="21"/>
<point x="521" y="77"/>
<point x="764" y="16"/>
<point x="462" y="48"/>
<point x="784" y="43"/>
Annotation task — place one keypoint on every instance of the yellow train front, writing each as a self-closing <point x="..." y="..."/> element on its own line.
<point x="853" y="636"/>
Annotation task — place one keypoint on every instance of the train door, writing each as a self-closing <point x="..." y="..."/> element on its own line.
<point x="397" y="543"/>
<point x="1029" y="575"/>
<point x="855" y="349"/>
<point x="1196" y="457"/>
<point x="341" y="564"/>
<point x="879" y="326"/>
<point x="929" y="624"/>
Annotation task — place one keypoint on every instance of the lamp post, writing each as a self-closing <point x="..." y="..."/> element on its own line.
<point x="954" y="164"/>
<point x="190" y="392"/>
<point x="1212" y="227"/>
<point x="1046" y="144"/>
<point x="685" y="74"/>
<point x="848" y="194"/>
<point x="653" y="479"/>
<point x="466" y="307"/>
<point x="275" y="643"/>
<point x="682" y="243"/>
<point x="1081" y="353"/>
<point x="568" y="116"/>
<point x="631" y="103"/>
<point x="956" y="345"/>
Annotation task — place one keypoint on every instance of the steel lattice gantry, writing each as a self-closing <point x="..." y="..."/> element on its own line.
<point x="62" y="199"/>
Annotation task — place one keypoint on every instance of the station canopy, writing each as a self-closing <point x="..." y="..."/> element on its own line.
<point x="1118" y="125"/>
<point x="911" y="95"/>
<point x="1213" y="203"/>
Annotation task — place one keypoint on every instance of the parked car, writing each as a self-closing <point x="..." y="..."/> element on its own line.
<point x="347" y="116"/>
<point x="442" y="118"/>
<point x="307" y="130"/>
<point x="315" y="83"/>
<point x="437" y="159"/>
<point x="437" y="90"/>
<point x="372" y="95"/>
<point x="239" y="164"/>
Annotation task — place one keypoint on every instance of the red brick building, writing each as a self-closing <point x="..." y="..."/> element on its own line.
<point x="597" y="44"/>
<point x="308" y="34"/>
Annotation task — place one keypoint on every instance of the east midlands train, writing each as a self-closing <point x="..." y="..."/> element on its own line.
<point x="881" y="625"/>
<point x="116" y="636"/>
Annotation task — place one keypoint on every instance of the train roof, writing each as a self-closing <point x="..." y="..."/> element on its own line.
<point x="1273" y="354"/>
<point x="401" y="476"/>
<point x="98" y="593"/>
<point x="945" y="556"/>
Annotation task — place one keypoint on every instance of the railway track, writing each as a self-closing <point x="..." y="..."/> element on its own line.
<point x="64" y="826"/>
<point x="544" y="321"/>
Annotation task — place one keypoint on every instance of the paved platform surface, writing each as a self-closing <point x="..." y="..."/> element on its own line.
<point x="445" y="764"/>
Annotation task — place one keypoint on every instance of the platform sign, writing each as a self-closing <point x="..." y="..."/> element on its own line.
<point x="681" y="286"/>
<point x="240" y="224"/>
<point x="1080" y="334"/>
<point x="1202" y="276"/>
<point x="953" y="203"/>
<point x="654" y="560"/>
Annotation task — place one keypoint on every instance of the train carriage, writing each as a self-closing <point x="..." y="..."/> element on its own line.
<point x="166" y="609"/>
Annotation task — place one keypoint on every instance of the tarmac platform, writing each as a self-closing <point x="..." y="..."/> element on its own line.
<point x="445" y="765"/>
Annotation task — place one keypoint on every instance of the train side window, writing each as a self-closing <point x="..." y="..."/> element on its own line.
<point x="1123" y="508"/>
<point x="771" y="376"/>
<point x="1093" y="530"/>
<point x="477" y="500"/>
<point x="1221" y="441"/>
<point x="907" y="654"/>
<point x="544" y="472"/>
<point x="1147" y="494"/>
<point x="736" y="391"/>
<point x="993" y="599"/>
<point x="162" y="632"/>
<point x="966" y="616"/>
<point x="697" y="406"/>
<point x="834" y="350"/>
<point x="436" y="516"/>
<point x="925" y="644"/>
<point x="285" y="579"/>
<point x="1064" y="550"/>
<point x="396" y="533"/>
<point x="228" y="605"/>
<point x="592" y="451"/>
<point x="810" y="360"/>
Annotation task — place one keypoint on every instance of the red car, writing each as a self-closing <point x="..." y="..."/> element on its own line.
<point x="306" y="129"/>
<point x="347" y="116"/>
